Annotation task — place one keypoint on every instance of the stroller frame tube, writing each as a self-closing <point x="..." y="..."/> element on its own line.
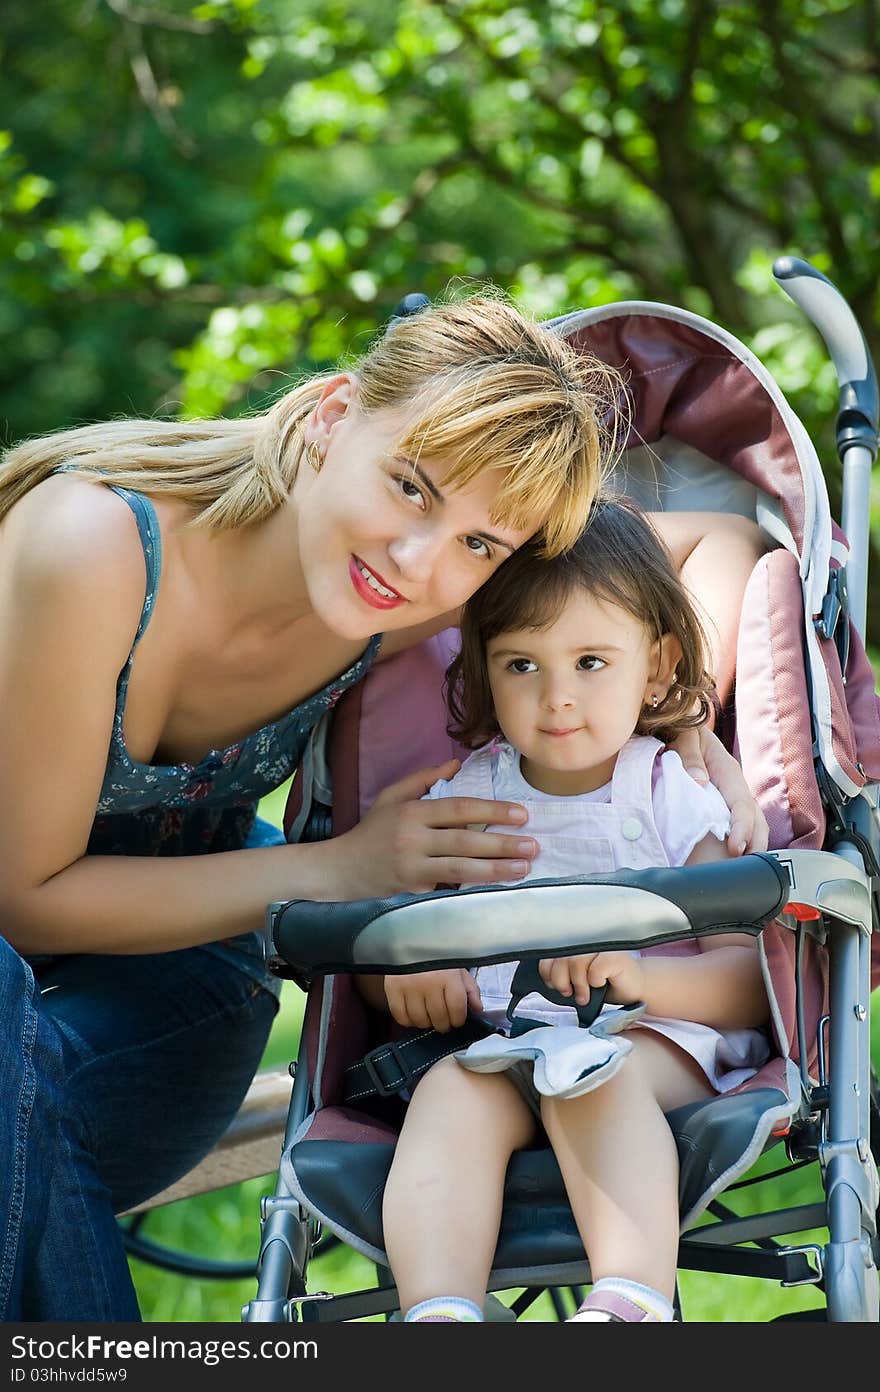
<point x="850" y="1273"/>
<point x="855" y="521"/>
<point x="284" y="1229"/>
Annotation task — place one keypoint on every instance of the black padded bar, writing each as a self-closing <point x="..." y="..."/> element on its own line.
<point x="415" y="932"/>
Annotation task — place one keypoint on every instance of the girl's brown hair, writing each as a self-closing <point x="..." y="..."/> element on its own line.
<point x="482" y="387"/>
<point x="619" y="558"/>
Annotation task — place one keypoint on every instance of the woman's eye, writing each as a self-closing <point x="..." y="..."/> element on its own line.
<point x="477" y="547"/>
<point x="590" y="664"/>
<point x="411" y="491"/>
<point x="522" y="665"/>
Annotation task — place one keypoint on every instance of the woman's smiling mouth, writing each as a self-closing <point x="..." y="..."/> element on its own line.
<point x="371" y="588"/>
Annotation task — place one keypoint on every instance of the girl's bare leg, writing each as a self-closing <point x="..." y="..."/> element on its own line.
<point x="442" y="1205"/>
<point x="619" y="1162"/>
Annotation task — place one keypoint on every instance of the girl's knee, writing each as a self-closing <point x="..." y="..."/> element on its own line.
<point x="471" y="1102"/>
<point x="655" y="1070"/>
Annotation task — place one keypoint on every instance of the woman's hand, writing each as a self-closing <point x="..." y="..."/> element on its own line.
<point x="573" y="976"/>
<point x="707" y="761"/>
<point x="440" y="999"/>
<point x="404" y="844"/>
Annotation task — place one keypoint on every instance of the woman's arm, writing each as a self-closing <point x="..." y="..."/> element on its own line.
<point x="71" y="590"/>
<point x="714" y="553"/>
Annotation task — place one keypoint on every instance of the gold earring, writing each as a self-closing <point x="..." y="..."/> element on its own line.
<point x="314" y="456"/>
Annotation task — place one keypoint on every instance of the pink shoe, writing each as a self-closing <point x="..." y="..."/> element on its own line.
<point x="611" y="1307"/>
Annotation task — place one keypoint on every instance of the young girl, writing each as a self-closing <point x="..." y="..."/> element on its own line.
<point x="575" y="669"/>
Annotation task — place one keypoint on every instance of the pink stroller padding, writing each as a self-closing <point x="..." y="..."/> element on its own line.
<point x="772" y="708"/>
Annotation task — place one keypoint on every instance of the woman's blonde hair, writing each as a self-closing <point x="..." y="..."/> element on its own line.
<point x="483" y="387"/>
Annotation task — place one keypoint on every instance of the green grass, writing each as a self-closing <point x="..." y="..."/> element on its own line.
<point x="226" y="1225"/>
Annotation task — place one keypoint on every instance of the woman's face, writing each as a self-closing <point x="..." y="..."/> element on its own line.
<point x="382" y="544"/>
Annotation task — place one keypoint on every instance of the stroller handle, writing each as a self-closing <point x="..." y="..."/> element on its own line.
<point x="829" y="312"/>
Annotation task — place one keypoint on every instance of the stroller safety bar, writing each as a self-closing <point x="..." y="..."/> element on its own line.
<point x="411" y="932"/>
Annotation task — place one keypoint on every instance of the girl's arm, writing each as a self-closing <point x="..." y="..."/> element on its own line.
<point x="722" y="986"/>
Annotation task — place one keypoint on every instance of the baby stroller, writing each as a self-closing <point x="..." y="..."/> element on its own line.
<point x="711" y="430"/>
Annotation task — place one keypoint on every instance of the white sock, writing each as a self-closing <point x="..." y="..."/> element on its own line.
<point x="653" y="1302"/>
<point x="445" y="1307"/>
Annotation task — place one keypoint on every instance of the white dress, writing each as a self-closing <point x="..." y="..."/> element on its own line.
<point x="652" y="813"/>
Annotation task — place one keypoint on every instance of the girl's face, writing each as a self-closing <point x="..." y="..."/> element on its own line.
<point x="568" y="697"/>
<point x="381" y="544"/>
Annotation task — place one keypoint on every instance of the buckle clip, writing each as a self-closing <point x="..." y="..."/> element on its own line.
<point x="835" y="607"/>
<point x="385" y="1052"/>
<point x="807" y="1251"/>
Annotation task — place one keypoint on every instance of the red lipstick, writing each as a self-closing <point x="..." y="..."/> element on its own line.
<point x="367" y="592"/>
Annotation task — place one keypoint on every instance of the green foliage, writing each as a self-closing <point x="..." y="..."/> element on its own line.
<point x="200" y="202"/>
<point x="239" y="191"/>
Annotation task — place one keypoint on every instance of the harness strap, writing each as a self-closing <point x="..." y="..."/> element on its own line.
<point x="397" y="1064"/>
<point x="391" y="1067"/>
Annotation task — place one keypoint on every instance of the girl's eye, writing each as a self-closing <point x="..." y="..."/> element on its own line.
<point x="521" y="665"/>
<point x="478" y="547"/>
<point x="590" y="664"/>
<point x="411" y="491"/>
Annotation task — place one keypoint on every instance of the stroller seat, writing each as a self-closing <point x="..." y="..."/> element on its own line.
<point x="344" y="1180"/>
<point x="711" y="431"/>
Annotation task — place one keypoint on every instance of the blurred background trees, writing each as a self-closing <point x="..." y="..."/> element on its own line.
<point x="198" y="201"/>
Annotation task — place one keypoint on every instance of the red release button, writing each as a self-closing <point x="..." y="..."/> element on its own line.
<point x="804" y="913"/>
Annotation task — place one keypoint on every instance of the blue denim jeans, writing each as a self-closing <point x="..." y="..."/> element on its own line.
<point x="117" y="1074"/>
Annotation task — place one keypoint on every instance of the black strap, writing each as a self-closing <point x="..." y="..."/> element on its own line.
<point x="391" y="1067"/>
<point x="397" y="1064"/>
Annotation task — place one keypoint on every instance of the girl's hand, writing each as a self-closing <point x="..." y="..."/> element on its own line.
<point x="403" y="844"/>
<point x="573" y="976"/>
<point x="707" y="761"/>
<point x="440" y="999"/>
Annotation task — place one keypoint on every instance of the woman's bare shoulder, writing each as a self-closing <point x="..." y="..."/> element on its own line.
<point x="65" y="525"/>
<point x="73" y="544"/>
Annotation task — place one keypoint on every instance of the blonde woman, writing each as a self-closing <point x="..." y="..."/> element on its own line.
<point x="179" y="604"/>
